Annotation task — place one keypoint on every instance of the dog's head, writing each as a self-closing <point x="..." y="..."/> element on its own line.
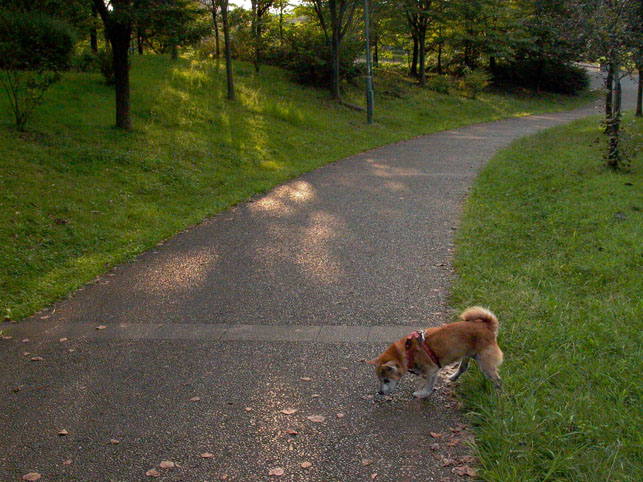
<point x="388" y="372"/>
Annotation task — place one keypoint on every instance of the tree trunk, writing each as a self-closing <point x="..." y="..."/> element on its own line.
<point x="216" y="27"/>
<point x="281" y="24"/>
<point x="174" y="51"/>
<point x="414" y="62"/>
<point x="376" y="61"/>
<point x="139" y="41"/>
<point x="422" y="41"/>
<point x="334" y="54"/>
<point x="609" y="88"/>
<point x="639" y="94"/>
<point x="440" y="58"/>
<point x="228" y="48"/>
<point x="258" y="42"/>
<point x="492" y="64"/>
<point x="119" y="36"/>
<point x="614" y="156"/>
<point x="93" y="35"/>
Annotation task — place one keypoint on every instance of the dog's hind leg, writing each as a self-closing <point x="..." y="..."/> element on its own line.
<point x="430" y="383"/>
<point x="464" y="364"/>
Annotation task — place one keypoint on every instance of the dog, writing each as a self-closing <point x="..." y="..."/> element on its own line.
<point x="424" y="353"/>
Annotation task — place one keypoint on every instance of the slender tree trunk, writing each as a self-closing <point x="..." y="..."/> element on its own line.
<point x="215" y="24"/>
<point x="228" y="48"/>
<point x="422" y="42"/>
<point x="258" y="41"/>
<point x="139" y="41"/>
<point x="376" y="61"/>
<point x="93" y="35"/>
<point x="614" y="156"/>
<point x="174" y="51"/>
<point x="281" y="24"/>
<point x="440" y="58"/>
<point x="334" y="53"/>
<point x="414" y="62"/>
<point x="639" y="94"/>
<point x="119" y="37"/>
<point x="609" y="94"/>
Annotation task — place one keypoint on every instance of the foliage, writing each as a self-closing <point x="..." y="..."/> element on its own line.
<point x="106" y="66"/>
<point x="473" y="82"/>
<point x="85" y="61"/>
<point x="440" y="84"/>
<point x="547" y="241"/>
<point x="549" y="76"/>
<point x="77" y="196"/>
<point x="33" y="48"/>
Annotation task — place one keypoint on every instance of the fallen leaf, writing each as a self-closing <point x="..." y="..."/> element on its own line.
<point x="37" y="358"/>
<point x="276" y="472"/>
<point x="113" y="441"/>
<point x="373" y="476"/>
<point x="434" y="446"/>
<point x="248" y="409"/>
<point x="315" y="395"/>
<point x="367" y="397"/>
<point x="289" y="411"/>
<point x="447" y="462"/>
<point x="316" y="418"/>
<point x="436" y="434"/>
<point x="102" y="327"/>
<point x="62" y="340"/>
<point x="167" y="464"/>
<point x="25" y="340"/>
<point x="366" y="462"/>
<point x="31" y="476"/>
<point x="306" y="465"/>
<point x="224" y="477"/>
<point x="207" y="455"/>
<point x="71" y="350"/>
<point x="9" y="337"/>
<point x="195" y="399"/>
<point x="340" y="415"/>
<point x="67" y="462"/>
<point x="290" y="431"/>
<point x="305" y="379"/>
<point x="463" y="470"/>
<point x="455" y="429"/>
<point x="468" y="459"/>
<point x="25" y="353"/>
<point x="63" y="432"/>
<point x="153" y="473"/>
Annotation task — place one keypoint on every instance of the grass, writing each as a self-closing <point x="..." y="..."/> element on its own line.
<point x="551" y="241"/>
<point x="77" y="196"/>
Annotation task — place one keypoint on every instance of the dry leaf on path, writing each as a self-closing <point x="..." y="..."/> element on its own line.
<point x="102" y="327"/>
<point x="366" y="462"/>
<point x="195" y="399"/>
<point x="340" y="415"/>
<point x="289" y="411"/>
<point x="463" y="470"/>
<point x="62" y="340"/>
<point x="290" y="431"/>
<point x="153" y="473"/>
<point x="434" y="446"/>
<point x="31" y="476"/>
<point x="276" y="472"/>
<point x="436" y="434"/>
<point x="63" y="432"/>
<point x="316" y="418"/>
<point x="315" y="395"/>
<point x="305" y="379"/>
<point x="306" y="465"/>
<point x="207" y="455"/>
<point x="37" y="358"/>
<point x="248" y="409"/>
<point x="373" y="476"/>
<point x="167" y="464"/>
<point x="113" y="441"/>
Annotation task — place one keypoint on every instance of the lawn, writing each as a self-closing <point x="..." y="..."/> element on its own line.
<point x="551" y="241"/>
<point x="78" y="197"/>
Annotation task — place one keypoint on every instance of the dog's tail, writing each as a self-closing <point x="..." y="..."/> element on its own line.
<point x="479" y="314"/>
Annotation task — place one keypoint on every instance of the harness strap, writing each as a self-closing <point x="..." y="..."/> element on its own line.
<point x="419" y="336"/>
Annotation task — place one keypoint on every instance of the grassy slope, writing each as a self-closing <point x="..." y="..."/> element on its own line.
<point x="552" y="242"/>
<point x="77" y="196"/>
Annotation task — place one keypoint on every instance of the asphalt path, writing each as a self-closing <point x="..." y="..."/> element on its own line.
<point x="200" y="345"/>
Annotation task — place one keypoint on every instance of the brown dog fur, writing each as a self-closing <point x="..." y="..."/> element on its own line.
<point x="474" y="337"/>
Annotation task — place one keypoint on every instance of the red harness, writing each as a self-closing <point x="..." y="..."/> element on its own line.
<point x="419" y="336"/>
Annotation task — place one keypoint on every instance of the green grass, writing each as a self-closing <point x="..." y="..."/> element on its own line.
<point x="77" y="196"/>
<point x="551" y="241"/>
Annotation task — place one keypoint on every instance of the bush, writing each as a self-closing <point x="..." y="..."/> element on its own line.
<point x="106" y="66"/>
<point x="86" y="61"/>
<point x="307" y="56"/>
<point x="548" y="76"/>
<point x="473" y="82"/>
<point x="440" y="84"/>
<point x="33" y="49"/>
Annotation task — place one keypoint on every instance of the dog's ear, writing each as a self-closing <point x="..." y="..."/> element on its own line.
<point x="372" y="362"/>
<point x="390" y="367"/>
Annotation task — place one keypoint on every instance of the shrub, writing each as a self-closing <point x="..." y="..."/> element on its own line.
<point x="440" y="84"/>
<point x="548" y="76"/>
<point x="474" y="81"/>
<point x="33" y="49"/>
<point x="85" y="61"/>
<point x="106" y="66"/>
<point x="307" y="56"/>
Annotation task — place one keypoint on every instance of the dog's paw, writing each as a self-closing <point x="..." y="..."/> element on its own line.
<point x="421" y="394"/>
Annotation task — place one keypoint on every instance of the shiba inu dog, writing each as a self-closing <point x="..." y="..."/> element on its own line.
<point x="424" y="353"/>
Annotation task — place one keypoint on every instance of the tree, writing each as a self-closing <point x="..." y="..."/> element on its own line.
<point x="335" y="18"/>
<point x="213" y="6"/>
<point x="259" y="9"/>
<point x="223" y="4"/>
<point x="419" y="16"/>
<point x="34" y="47"/>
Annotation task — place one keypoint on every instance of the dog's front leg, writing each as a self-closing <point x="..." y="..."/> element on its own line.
<point x="430" y="383"/>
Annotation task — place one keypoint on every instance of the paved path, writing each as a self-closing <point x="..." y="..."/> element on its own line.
<point x="269" y="306"/>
